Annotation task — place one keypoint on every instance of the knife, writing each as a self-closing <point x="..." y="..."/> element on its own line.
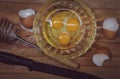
<point x="11" y="59"/>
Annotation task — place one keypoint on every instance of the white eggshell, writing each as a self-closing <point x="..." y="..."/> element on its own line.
<point x="111" y="24"/>
<point x="98" y="59"/>
<point x="25" y="13"/>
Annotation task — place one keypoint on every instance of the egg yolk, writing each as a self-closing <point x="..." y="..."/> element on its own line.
<point x="64" y="38"/>
<point x="72" y="24"/>
<point x="57" y="23"/>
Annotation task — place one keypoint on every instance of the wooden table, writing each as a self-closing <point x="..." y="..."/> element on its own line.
<point x="102" y="9"/>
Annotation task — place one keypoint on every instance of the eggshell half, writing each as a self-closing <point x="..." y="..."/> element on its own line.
<point x="100" y="56"/>
<point x="111" y="24"/>
<point x="110" y="28"/>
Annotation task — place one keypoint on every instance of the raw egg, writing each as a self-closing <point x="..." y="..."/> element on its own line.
<point x="64" y="38"/>
<point x="57" y="22"/>
<point x="72" y="24"/>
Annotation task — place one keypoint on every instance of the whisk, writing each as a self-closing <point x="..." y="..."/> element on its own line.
<point x="8" y="33"/>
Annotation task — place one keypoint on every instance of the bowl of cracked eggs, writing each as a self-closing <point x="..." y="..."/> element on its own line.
<point x="65" y="29"/>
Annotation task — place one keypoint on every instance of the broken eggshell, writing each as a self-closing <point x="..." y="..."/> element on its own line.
<point x="110" y="28"/>
<point x="100" y="56"/>
<point x="27" y="18"/>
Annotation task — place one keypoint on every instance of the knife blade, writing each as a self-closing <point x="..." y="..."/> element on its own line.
<point x="11" y="59"/>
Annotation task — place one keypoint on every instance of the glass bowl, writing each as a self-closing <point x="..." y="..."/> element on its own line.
<point x="65" y="29"/>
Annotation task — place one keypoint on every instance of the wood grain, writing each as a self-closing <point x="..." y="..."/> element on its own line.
<point x="29" y="75"/>
<point x="111" y="69"/>
<point x="114" y="4"/>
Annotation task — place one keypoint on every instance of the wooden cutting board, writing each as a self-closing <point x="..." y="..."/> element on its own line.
<point x="102" y="9"/>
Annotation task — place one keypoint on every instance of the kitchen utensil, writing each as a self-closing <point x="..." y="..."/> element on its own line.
<point x="41" y="67"/>
<point x="8" y="33"/>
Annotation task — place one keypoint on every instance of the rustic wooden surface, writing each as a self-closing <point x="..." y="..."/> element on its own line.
<point x="102" y="10"/>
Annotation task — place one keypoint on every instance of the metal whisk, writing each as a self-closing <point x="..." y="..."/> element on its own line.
<point x="8" y="33"/>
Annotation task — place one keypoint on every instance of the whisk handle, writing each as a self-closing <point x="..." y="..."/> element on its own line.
<point x="28" y="43"/>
